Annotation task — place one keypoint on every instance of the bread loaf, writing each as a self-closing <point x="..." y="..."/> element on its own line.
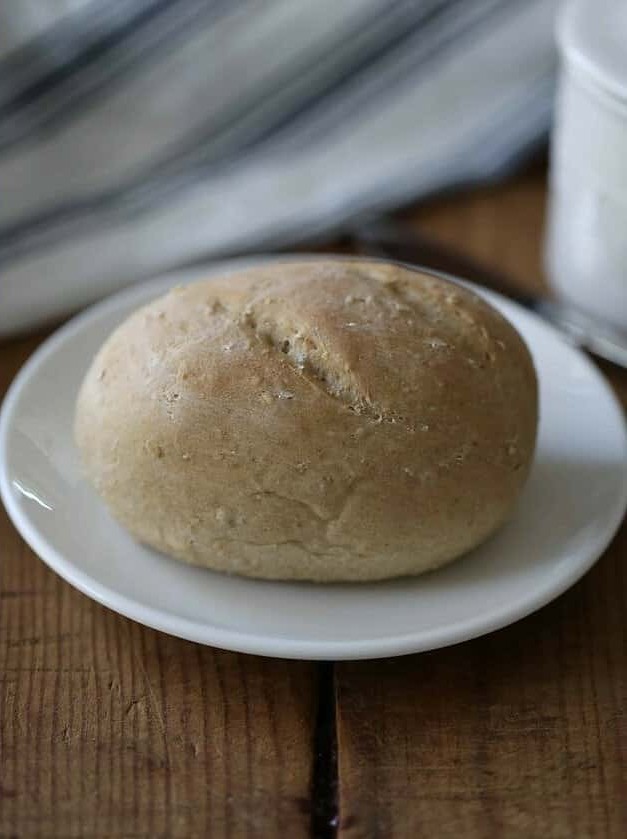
<point x="324" y="420"/>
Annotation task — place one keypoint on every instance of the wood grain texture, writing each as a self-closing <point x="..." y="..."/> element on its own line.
<point x="522" y="733"/>
<point x="108" y="729"/>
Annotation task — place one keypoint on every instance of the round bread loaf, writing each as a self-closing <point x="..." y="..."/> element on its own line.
<point x="322" y="420"/>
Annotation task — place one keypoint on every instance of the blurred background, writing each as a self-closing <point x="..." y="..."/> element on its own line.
<point x="137" y="136"/>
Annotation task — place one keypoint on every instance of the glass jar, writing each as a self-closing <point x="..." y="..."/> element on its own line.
<point x="586" y="241"/>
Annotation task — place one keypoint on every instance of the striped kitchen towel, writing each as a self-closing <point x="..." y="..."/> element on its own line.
<point x="141" y="135"/>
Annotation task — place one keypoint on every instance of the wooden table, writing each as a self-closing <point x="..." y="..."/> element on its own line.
<point x="109" y="729"/>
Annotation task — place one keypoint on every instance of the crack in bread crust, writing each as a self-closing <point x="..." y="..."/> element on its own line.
<point x="309" y="359"/>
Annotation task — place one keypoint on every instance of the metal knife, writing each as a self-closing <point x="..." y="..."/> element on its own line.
<point x="395" y="240"/>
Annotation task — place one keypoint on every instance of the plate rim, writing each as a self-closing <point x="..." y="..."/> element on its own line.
<point x="244" y="642"/>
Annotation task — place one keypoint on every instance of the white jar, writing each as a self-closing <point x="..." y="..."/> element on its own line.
<point x="586" y="243"/>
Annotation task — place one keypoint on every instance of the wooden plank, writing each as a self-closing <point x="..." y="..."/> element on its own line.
<point x="521" y="733"/>
<point x="110" y="729"/>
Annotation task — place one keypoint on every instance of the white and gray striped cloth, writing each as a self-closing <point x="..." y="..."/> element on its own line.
<point x="141" y="135"/>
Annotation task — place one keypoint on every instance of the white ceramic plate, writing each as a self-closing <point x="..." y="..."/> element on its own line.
<point x="571" y="507"/>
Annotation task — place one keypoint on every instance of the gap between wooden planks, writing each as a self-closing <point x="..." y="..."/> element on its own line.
<point x="110" y="729"/>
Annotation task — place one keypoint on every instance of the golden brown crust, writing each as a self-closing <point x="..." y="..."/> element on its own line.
<point x="324" y="420"/>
